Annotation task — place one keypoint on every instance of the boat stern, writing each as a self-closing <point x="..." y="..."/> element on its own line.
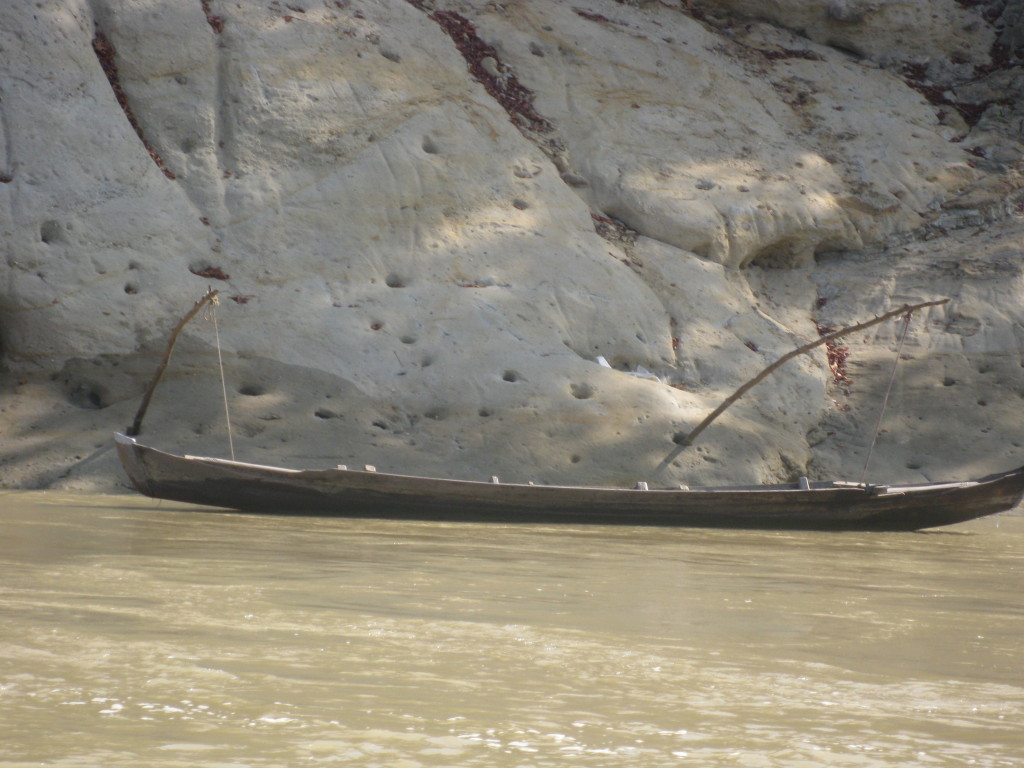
<point x="130" y="454"/>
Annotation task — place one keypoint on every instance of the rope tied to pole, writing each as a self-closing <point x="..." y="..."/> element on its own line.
<point x="136" y="425"/>
<point x="888" y="390"/>
<point x="223" y="379"/>
<point x="208" y="298"/>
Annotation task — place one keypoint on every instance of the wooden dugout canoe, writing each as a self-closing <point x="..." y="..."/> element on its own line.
<point x="357" y="493"/>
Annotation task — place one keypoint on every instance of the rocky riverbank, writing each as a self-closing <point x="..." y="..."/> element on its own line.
<point x="431" y="221"/>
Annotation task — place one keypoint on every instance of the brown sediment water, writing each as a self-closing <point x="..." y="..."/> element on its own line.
<point x="134" y="632"/>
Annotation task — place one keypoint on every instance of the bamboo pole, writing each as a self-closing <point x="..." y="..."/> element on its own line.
<point x="209" y="296"/>
<point x="692" y="436"/>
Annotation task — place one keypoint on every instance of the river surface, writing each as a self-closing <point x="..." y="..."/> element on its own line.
<point x="138" y="633"/>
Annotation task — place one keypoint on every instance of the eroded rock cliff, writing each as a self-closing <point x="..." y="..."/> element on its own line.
<point x="431" y="221"/>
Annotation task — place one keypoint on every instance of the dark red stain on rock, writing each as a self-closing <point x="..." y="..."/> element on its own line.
<point x="107" y="56"/>
<point x="498" y="79"/>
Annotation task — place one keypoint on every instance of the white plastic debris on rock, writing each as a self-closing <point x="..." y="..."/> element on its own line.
<point x="640" y="371"/>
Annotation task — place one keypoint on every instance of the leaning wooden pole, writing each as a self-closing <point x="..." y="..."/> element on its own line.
<point x="690" y="438"/>
<point x="208" y="297"/>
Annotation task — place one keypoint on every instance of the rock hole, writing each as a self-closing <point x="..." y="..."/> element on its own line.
<point x="430" y="146"/>
<point x="575" y="459"/>
<point x="89" y="396"/>
<point x="679" y="438"/>
<point x="408" y="339"/>
<point x="51" y="232"/>
<point x="522" y="205"/>
<point x="394" y="281"/>
<point x="380" y="424"/>
<point x="913" y="465"/>
<point x="510" y="376"/>
<point x="787" y="253"/>
<point x="251" y="390"/>
<point x="426" y="362"/>
<point x="325" y="413"/>
<point x="131" y="289"/>
<point x="983" y="403"/>
<point x="391" y="55"/>
<point x="581" y="391"/>
<point x="376" y="326"/>
<point x="484" y="413"/>
<point x="536" y="50"/>
<point x="948" y="382"/>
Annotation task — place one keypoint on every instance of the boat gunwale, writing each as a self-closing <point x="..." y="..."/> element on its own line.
<point x="823" y="485"/>
<point x="228" y="484"/>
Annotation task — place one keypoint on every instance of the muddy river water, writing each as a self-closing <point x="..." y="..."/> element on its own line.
<point x="138" y="633"/>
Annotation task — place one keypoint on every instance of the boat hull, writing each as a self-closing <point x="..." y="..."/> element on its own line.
<point x="354" y="493"/>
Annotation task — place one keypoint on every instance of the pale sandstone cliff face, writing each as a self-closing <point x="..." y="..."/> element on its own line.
<point x="427" y="220"/>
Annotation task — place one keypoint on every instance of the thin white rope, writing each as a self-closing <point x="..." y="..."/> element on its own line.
<point x="223" y="381"/>
<point x="885" y="400"/>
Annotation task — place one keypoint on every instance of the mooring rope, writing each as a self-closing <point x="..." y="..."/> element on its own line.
<point x="223" y="381"/>
<point x="885" y="400"/>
